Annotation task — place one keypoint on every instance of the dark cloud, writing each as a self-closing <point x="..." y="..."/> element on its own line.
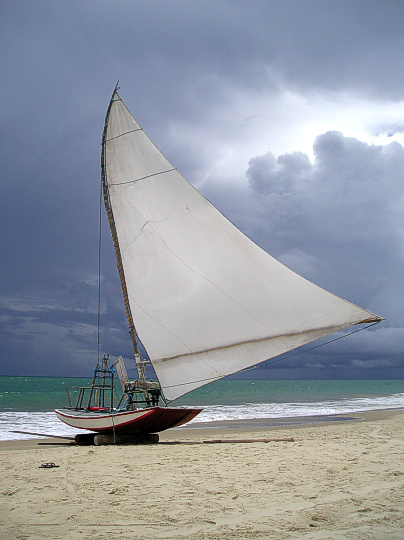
<point x="338" y="222"/>
<point x="183" y="64"/>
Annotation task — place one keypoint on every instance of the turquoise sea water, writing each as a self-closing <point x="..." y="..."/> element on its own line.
<point x="27" y="403"/>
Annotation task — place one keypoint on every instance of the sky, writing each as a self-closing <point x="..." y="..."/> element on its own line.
<point x="287" y="115"/>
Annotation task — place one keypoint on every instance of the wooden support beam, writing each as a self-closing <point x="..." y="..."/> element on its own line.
<point x="223" y="441"/>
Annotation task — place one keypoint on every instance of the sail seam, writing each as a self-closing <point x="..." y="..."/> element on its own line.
<point x="142" y="178"/>
<point x="279" y="359"/>
<point x="328" y="329"/>
<point x="122" y="134"/>
<point x="282" y="357"/>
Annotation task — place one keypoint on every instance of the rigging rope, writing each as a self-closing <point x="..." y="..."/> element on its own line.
<point x="99" y="277"/>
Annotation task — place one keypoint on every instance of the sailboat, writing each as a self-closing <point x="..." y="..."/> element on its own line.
<point x="206" y="300"/>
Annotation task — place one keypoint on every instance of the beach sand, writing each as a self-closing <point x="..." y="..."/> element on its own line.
<point x="336" y="480"/>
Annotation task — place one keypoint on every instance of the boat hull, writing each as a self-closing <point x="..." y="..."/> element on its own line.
<point x="148" y="420"/>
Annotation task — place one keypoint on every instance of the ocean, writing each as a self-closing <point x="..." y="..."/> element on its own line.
<point x="27" y="403"/>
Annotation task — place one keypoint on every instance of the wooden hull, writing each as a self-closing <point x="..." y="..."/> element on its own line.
<point x="148" y="420"/>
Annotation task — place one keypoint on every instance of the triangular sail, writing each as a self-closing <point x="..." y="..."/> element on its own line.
<point x="206" y="300"/>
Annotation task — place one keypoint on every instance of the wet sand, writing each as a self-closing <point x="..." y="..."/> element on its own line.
<point x="336" y="480"/>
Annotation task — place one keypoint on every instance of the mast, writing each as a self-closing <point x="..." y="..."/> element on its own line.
<point x="111" y="221"/>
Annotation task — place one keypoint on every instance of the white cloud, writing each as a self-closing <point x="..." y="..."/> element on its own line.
<point x="247" y="122"/>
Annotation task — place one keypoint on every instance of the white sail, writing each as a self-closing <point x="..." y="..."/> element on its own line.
<point x="206" y="301"/>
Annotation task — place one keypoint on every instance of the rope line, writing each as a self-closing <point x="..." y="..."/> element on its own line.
<point x="99" y="278"/>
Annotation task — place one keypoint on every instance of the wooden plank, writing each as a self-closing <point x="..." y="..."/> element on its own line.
<point x="217" y="441"/>
<point x="45" y="435"/>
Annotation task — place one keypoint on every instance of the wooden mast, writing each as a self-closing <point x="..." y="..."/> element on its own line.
<point x="111" y="221"/>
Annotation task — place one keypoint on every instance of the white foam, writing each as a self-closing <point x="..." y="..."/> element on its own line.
<point x="214" y="413"/>
<point x="36" y="422"/>
<point x="47" y="422"/>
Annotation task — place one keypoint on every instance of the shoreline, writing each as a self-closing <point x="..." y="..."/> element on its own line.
<point x="227" y="428"/>
<point x="286" y="421"/>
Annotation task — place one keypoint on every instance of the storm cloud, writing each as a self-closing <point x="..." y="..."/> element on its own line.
<point x="287" y="115"/>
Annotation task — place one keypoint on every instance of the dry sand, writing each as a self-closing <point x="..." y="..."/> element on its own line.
<point x="337" y="480"/>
